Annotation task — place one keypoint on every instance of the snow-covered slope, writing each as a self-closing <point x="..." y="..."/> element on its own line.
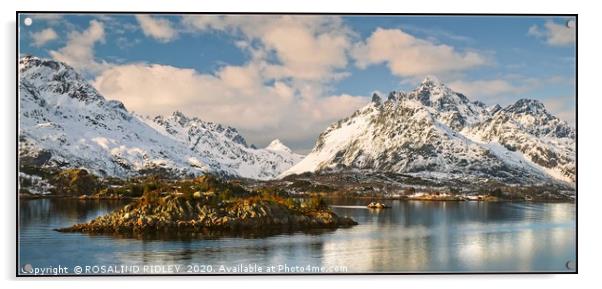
<point x="435" y="132"/>
<point x="64" y="122"/>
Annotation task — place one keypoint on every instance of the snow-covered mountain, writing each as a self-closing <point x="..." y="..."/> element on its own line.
<point x="226" y="146"/>
<point x="277" y="146"/>
<point x="64" y="122"/>
<point x="436" y="132"/>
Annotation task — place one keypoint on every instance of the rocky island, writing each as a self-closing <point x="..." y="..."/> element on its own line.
<point x="210" y="205"/>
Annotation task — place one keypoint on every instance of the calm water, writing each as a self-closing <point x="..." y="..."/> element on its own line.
<point x="412" y="236"/>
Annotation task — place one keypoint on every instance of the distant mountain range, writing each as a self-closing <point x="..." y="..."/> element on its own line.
<point x="64" y="122"/>
<point x="435" y="132"/>
<point x="431" y="132"/>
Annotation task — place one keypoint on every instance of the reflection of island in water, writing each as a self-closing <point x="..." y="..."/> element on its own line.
<point x="410" y="236"/>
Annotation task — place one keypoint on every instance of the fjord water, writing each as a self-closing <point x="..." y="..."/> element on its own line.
<point x="411" y="236"/>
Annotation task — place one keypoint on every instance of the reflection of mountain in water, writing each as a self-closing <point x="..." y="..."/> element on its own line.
<point x="457" y="236"/>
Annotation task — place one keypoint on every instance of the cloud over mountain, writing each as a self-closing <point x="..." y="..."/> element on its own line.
<point x="406" y="55"/>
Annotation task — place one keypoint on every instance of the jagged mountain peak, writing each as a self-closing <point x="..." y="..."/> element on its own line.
<point x="180" y="117"/>
<point x="527" y="106"/>
<point x="494" y="108"/>
<point x="452" y="108"/>
<point x="434" y="87"/>
<point x="432" y="92"/>
<point x="532" y="117"/>
<point x="431" y="80"/>
<point x="50" y="67"/>
<point x="376" y="98"/>
<point x="180" y="123"/>
<point x="278" y="146"/>
<point x="55" y="77"/>
<point x="29" y="61"/>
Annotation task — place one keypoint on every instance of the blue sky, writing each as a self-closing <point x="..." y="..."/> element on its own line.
<point x="289" y="77"/>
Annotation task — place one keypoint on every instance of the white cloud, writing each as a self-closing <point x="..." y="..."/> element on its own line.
<point x="554" y="34"/>
<point x="284" y="89"/>
<point x="408" y="56"/>
<point x="157" y="28"/>
<point x="42" y="37"/>
<point x="79" y="50"/>
<point x="234" y="95"/>
<point x="306" y="47"/>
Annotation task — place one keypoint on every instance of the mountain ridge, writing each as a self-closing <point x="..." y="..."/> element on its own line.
<point x="435" y="131"/>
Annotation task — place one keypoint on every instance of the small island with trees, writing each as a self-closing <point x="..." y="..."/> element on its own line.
<point x="208" y="205"/>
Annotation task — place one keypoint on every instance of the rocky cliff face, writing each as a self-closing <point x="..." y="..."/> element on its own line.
<point x="436" y="132"/>
<point x="65" y="123"/>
